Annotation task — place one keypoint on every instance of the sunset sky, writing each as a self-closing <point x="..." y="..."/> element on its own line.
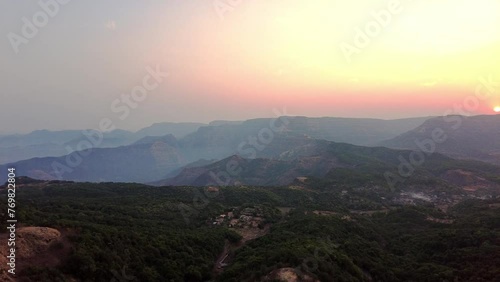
<point x="239" y="61"/>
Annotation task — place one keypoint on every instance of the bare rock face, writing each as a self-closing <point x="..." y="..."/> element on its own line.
<point x="33" y="248"/>
<point x="32" y="241"/>
<point x="288" y="275"/>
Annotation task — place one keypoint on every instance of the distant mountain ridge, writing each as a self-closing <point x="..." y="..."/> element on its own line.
<point x="45" y="143"/>
<point x="475" y="137"/>
<point x="280" y="141"/>
<point x="149" y="159"/>
<point x="179" y="130"/>
<point x="141" y="162"/>
<point x="320" y="163"/>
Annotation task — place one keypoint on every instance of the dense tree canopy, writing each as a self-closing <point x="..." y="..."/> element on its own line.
<point x="145" y="234"/>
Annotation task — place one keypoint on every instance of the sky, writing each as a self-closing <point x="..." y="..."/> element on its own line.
<point x="67" y="64"/>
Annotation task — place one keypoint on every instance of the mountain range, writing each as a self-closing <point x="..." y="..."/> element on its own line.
<point x="258" y="200"/>
<point x="272" y="151"/>
<point x="45" y="143"/>
<point x="474" y="137"/>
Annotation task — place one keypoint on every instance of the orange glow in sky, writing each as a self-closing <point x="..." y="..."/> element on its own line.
<point x="241" y="59"/>
<point x="423" y="54"/>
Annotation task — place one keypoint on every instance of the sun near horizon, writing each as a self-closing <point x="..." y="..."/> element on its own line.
<point x="358" y="57"/>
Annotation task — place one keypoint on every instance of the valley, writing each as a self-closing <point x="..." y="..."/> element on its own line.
<point x="251" y="233"/>
<point x="296" y="208"/>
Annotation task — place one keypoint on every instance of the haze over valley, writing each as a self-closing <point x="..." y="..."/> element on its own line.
<point x="249" y="141"/>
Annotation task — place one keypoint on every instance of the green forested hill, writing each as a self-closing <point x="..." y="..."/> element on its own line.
<point x="140" y="233"/>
